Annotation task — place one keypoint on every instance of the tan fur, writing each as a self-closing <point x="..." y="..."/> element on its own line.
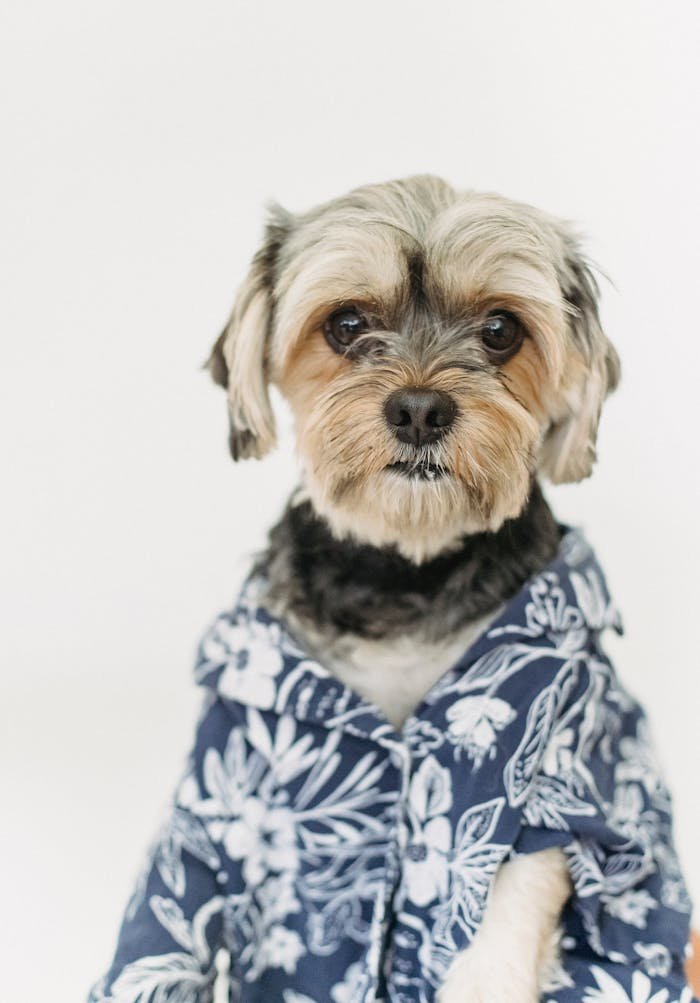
<point x="513" y="954"/>
<point x="310" y="368"/>
<point x="482" y="252"/>
<point x="536" y="413"/>
<point x="239" y="359"/>
<point x="346" y="446"/>
<point x="569" y="452"/>
<point x="249" y="404"/>
<point x="356" y="264"/>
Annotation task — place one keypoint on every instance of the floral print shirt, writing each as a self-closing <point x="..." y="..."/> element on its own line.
<point x="339" y="861"/>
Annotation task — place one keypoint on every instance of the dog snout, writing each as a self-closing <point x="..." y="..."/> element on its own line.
<point x="418" y="415"/>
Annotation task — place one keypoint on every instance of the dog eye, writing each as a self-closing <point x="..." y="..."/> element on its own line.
<point x="343" y="326"/>
<point x="502" y="335"/>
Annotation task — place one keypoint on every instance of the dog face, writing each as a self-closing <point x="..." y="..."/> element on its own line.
<point x="438" y="349"/>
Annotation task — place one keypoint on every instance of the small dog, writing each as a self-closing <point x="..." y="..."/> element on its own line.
<point x="440" y="352"/>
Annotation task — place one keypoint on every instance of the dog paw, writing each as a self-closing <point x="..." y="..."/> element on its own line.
<point x="487" y="994"/>
<point x="491" y="992"/>
<point x="468" y="982"/>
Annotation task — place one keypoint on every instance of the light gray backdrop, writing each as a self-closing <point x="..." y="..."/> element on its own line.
<point x="139" y="142"/>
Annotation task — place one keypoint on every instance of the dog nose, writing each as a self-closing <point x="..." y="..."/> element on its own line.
<point x="418" y="415"/>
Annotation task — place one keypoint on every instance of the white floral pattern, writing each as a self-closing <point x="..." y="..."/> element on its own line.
<point x="264" y="839"/>
<point x="253" y="660"/>
<point x="340" y="862"/>
<point x="426" y="865"/>
<point x="178" y="976"/>
<point x="609" y="990"/>
<point x="475" y="722"/>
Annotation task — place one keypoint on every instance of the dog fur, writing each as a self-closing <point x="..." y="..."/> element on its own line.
<point x="393" y="555"/>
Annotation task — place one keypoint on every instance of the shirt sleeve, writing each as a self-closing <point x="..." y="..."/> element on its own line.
<point x="598" y="792"/>
<point x="173" y="924"/>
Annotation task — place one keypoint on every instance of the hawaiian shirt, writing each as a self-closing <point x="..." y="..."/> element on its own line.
<point x="337" y="860"/>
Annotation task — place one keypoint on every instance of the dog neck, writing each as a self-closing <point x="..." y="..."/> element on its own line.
<point x="333" y="587"/>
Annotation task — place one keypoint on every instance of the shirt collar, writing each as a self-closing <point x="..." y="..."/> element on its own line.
<point x="250" y="657"/>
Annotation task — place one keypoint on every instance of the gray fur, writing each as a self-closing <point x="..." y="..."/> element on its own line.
<point x="425" y="259"/>
<point x="342" y="586"/>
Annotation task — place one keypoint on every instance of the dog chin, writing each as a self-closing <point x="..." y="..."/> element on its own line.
<point x="417" y="473"/>
<point x="421" y="513"/>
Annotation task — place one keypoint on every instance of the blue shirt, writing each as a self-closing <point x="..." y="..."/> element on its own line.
<point x="337" y="859"/>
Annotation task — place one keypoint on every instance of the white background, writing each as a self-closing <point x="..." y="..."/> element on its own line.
<point x="140" y="141"/>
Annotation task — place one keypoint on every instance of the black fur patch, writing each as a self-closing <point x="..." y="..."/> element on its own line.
<point x="342" y="586"/>
<point x="416" y="272"/>
<point x="582" y="294"/>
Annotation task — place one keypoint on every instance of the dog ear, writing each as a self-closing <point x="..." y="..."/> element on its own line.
<point x="568" y="451"/>
<point x="238" y="361"/>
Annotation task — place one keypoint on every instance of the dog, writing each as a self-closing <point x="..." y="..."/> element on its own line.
<point x="441" y="352"/>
